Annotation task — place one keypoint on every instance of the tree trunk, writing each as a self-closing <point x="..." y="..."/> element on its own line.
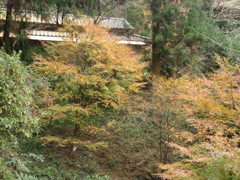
<point x="7" y="27"/>
<point x="76" y="130"/>
<point x="155" y="60"/>
<point x="156" y="46"/>
<point x="160" y="37"/>
<point x="58" y="12"/>
<point x="73" y="147"/>
<point x="99" y="12"/>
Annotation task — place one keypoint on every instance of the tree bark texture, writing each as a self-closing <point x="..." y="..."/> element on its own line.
<point x="156" y="6"/>
<point x="7" y="27"/>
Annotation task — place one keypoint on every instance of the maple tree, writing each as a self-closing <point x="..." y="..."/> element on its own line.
<point x="211" y="107"/>
<point x="88" y="74"/>
<point x="96" y="112"/>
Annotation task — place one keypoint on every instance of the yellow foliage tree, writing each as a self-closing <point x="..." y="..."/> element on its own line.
<point x="89" y="73"/>
<point x="211" y="107"/>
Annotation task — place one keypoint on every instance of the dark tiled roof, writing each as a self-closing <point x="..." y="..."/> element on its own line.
<point x="116" y="23"/>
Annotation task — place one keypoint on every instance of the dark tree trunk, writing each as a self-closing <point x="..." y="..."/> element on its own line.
<point x="99" y="12"/>
<point x="73" y="147"/>
<point x="76" y="130"/>
<point x="156" y="46"/>
<point x="58" y="13"/>
<point x="160" y="38"/>
<point x="7" y="27"/>
<point x="156" y="59"/>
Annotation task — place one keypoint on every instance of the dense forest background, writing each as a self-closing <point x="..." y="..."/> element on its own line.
<point x="93" y="109"/>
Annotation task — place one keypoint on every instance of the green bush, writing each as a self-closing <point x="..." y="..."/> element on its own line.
<point x="222" y="168"/>
<point x="16" y="97"/>
<point x="17" y="115"/>
<point x="96" y="177"/>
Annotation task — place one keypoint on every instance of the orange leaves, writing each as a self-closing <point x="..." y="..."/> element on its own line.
<point x="66" y="142"/>
<point x="92" y="72"/>
<point x="48" y="67"/>
<point x="76" y="108"/>
<point x="176" y="171"/>
<point x="211" y="107"/>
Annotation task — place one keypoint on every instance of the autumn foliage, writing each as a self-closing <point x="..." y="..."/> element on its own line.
<point x="208" y="144"/>
<point x="88" y="74"/>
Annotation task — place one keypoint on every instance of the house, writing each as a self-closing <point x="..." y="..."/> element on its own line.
<point x="44" y="27"/>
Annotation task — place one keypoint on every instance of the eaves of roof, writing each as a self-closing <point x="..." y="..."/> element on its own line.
<point x="56" y="36"/>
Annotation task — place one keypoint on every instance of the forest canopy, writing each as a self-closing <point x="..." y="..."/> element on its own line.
<point x="119" y="89"/>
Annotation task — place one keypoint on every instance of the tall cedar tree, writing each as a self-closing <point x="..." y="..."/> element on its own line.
<point x="175" y="44"/>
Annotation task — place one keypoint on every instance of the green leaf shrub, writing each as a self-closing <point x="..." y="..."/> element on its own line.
<point x="16" y="97"/>
<point x="18" y="115"/>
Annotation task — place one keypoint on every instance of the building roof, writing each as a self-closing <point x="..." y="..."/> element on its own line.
<point x="56" y="36"/>
<point x="116" y="23"/>
<point x="52" y="18"/>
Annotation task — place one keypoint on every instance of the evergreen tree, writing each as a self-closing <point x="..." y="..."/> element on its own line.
<point x="176" y="44"/>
